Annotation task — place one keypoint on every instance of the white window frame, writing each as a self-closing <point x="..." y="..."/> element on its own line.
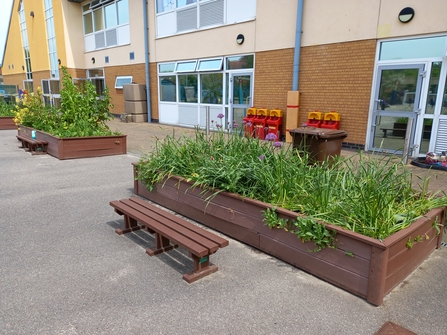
<point x="128" y="80"/>
<point x="204" y="61"/>
<point x="179" y="64"/>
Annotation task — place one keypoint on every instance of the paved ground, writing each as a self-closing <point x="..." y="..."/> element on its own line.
<point x="63" y="270"/>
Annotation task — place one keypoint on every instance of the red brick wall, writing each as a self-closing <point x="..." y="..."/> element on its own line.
<point x="338" y="77"/>
<point x="138" y="73"/>
<point x="333" y="77"/>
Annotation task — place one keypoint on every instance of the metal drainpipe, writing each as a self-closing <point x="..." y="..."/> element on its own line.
<point x="146" y="62"/>
<point x="296" y="57"/>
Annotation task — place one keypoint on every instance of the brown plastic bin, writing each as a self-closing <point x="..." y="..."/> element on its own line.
<point x="321" y="143"/>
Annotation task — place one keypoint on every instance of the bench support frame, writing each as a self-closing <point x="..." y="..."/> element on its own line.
<point x="202" y="265"/>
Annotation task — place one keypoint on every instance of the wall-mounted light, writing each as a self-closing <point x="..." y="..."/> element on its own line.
<point x="31" y="14"/>
<point x="240" y="39"/>
<point x="59" y="61"/>
<point x="93" y="60"/>
<point x="23" y="67"/>
<point x="406" y="14"/>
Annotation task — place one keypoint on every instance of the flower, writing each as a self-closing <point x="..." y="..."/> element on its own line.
<point x="304" y="125"/>
<point x="277" y="144"/>
<point x="235" y="125"/>
<point x="220" y="116"/>
<point x="261" y="157"/>
<point x="271" y="137"/>
<point x="218" y="125"/>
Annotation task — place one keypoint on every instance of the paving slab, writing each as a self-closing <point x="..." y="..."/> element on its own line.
<point x="63" y="269"/>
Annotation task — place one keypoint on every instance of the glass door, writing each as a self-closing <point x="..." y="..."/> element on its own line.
<point x="240" y="96"/>
<point x="396" y="100"/>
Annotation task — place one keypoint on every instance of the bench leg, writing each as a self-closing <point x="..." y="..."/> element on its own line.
<point x="162" y="244"/>
<point x="202" y="268"/>
<point x="384" y="133"/>
<point x="130" y="224"/>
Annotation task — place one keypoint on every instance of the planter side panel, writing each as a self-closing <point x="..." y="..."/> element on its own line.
<point x="92" y="146"/>
<point x="7" y="122"/>
<point x="412" y="249"/>
<point x="331" y="272"/>
<point x="168" y="200"/>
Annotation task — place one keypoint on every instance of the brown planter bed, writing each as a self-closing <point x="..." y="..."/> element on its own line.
<point x="7" y="122"/>
<point x="364" y="266"/>
<point x="79" y="147"/>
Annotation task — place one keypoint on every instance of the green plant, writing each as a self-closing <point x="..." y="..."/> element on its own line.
<point x="6" y="109"/>
<point x="369" y="194"/>
<point x="401" y="120"/>
<point x="82" y="113"/>
<point x="350" y="254"/>
<point x="306" y="229"/>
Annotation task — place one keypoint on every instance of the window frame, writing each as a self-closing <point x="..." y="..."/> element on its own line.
<point x="130" y="78"/>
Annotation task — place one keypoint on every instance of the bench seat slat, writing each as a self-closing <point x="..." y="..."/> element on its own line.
<point x="208" y="235"/>
<point x="195" y="248"/>
<point x="175" y="225"/>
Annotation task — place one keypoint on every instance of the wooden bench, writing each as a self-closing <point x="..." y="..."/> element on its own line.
<point x="33" y="145"/>
<point x="169" y="228"/>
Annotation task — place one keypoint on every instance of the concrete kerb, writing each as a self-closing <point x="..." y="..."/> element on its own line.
<point x="64" y="270"/>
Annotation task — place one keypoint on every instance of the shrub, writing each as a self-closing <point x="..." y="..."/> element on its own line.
<point x="82" y="113"/>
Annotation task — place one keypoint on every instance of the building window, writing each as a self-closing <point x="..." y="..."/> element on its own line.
<point x="211" y="88"/>
<point x="51" y="92"/>
<point x="51" y="38"/>
<point x="28" y="85"/>
<point x="186" y="66"/>
<point x="210" y="65"/>
<point x="106" y="24"/>
<point x="240" y="62"/>
<point x="188" y="88"/>
<point x="168" y="88"/>
<point x="178" y="16"/>
<point x="25" y="44"/>
<point x="183" y="78"/>
<point x="96" y="76"/>
<point x="122" y="80"/>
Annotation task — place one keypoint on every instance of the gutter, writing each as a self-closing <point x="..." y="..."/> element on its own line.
<point x="296" y="57"/>
<point x="146" y="62"/>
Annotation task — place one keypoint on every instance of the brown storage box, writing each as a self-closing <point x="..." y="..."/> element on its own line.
<point x="320" y="143"/>
<point x="291" y="122"/>
<point x="134" y="92"/>
<point x="139" y="118"/>
<point x="135" y="107"/>
<point x="293" y="99"/>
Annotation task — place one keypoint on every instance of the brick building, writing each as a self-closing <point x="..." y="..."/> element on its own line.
<point x="375" y="63"/>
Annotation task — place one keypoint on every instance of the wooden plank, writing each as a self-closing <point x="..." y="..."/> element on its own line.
<point x="195" y="248"/>
<point x="210" y="236"/>
<point x="330" y="272"/>
<point x="181" y="229"/>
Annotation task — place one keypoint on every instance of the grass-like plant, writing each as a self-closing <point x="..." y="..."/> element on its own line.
<point x="368" y="194"/>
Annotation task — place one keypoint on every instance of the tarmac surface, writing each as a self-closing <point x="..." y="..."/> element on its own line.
<point x="63" y="270"/>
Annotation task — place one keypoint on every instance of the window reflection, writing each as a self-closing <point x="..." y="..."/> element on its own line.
<point x="413" y="48"/>
<point x="433" y="87"/>
<point x="211" y="88"/>
<point x="188" y="88"/>
<point x="167" y="88"/>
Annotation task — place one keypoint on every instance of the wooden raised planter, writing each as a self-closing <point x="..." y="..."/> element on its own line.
<point x="79" y="147"/>
<point x="7" y="122"/>
<point x="364" y="266"/>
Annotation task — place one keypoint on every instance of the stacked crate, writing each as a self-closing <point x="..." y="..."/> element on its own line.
<point x="135" y="104"/>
